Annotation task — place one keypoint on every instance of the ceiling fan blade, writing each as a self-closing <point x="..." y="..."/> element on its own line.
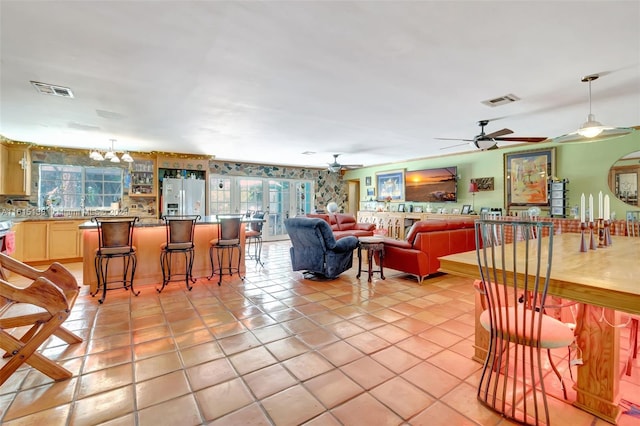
<point x="498" y="133"/>
<point x="454" y="139"/>
<point x="456" y="145"/>
<point x="522" y="139"/>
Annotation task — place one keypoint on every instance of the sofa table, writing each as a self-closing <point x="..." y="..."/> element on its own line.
<point x="371" y="245"/>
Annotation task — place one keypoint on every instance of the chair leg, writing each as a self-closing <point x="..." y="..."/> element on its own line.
<point x="134" y="262"/>
<point x="163" y="266"/>
<point x="187" y="271"/>
<point x="633" y="346"/>
<point x="555" y="370"/>
<point x="213" y="266"/>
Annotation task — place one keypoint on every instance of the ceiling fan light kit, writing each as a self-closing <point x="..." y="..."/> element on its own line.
<point x="488" y="141"/>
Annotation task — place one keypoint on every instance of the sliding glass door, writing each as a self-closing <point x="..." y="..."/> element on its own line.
<point x="278" y="198"/>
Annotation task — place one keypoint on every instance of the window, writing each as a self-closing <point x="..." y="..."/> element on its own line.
<point x="66" y="187"/>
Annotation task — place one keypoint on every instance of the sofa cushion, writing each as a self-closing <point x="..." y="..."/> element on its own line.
<point x="345" y="222"/>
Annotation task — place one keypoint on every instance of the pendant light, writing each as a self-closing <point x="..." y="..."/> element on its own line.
<point x="110" y="155"/>
<point x="592" y="129"/>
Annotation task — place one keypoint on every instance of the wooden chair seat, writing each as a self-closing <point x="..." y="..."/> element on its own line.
<point x="41" y="308"/>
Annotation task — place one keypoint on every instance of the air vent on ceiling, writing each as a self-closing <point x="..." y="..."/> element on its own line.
<point x="50" y="89"/>
<point x="506" y="99"/>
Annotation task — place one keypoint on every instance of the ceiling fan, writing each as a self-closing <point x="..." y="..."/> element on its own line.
<point x="336" y="167"/>
<point x="485" y="141"/>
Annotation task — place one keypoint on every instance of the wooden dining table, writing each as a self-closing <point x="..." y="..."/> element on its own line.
<point x="606" y="282"/>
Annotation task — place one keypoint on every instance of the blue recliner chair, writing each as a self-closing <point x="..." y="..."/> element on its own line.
<point x="314" y="248"/>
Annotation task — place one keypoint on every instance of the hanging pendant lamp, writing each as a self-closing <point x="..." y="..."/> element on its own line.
<point x="592" y="129"/>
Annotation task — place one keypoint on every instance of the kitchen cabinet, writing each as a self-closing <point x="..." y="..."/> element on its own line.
<point x="48" y="240"/>
<point x="15" y="169"/>
<point x="143" y="178"/>
<point x="64" y="240"/>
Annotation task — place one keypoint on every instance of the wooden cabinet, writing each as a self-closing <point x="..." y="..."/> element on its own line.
<point x="32" y="241"/>
<point x="64" y="240"/>
<point x="15" y="169"/>
<point x="48" y="240"/>
<point x="143" y="179"/>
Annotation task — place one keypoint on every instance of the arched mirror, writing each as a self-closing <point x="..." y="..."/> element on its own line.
<point x="624" y="178"/>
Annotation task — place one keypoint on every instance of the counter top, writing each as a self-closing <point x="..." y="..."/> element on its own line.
<point x="151" y="222"/>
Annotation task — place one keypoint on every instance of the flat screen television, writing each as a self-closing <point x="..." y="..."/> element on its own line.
<point x="431" y="185"/>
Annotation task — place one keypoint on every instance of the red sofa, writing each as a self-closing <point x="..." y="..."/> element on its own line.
<point x="427" y="240"/>
<point x="343" y="224"/>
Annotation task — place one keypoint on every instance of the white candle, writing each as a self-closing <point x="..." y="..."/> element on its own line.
<point x="607" y="214"/>
<point x="582" y="208"/>
<point x="600" y="210"/>
<point x="590" y="207"/>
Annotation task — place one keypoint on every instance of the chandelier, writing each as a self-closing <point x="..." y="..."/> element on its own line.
<point x="110" y="154"/>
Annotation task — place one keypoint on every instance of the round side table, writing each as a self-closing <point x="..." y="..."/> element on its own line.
<point x="372" y="245"/>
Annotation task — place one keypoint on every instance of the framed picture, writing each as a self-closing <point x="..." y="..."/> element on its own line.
<point x="390" y="185"/>
<point x="367" y="181"/>
<point x="401" y="207"/>
<point x="466" y="208"/>
<point x="371" y="192"/>
<point x="484" y="184"/>
<point x="484" y="209"/>
<point x="525" y="177"/>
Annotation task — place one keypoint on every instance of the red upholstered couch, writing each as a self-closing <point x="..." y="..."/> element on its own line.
<point x="343" y="224"/>
<point x="427" y="240"/>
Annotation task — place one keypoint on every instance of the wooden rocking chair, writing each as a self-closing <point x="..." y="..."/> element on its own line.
<point x="42" y="306"/>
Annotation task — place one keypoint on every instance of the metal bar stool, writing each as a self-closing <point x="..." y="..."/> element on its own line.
<point x="253" y="237"/>
<point x="179" y="231"/>
<point x="115" y="240"/>
<point x="228" y="240"/>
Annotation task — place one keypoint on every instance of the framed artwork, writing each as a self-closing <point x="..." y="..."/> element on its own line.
<point x="390" y="185"/>
<point x="484" y="209"/>
<point x="466" y="208"/>
<point x="484" y="184"/>
<point x="371" y="192"/>
<point x="401" y="207"/>
<point x="367" y="181"/>
<point x="525" y="177"/>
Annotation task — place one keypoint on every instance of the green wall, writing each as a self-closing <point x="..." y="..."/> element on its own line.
<point x="585" y="164"/>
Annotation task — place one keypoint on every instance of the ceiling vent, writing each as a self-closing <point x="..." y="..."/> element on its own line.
<point x="50" y="89"/>
<point x="502" y="100"/>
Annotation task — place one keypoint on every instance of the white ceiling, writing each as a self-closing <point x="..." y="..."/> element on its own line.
<point x="265" y="81"/>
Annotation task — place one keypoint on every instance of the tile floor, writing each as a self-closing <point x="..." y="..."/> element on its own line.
<point x="275" y="350"/>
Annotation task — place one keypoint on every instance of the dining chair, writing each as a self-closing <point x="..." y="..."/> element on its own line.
<point x="179" y="231"/>
<point x="633" y="223"/>
<point x="633" y="230"/>
<point x="253" y="237"/>
<point x="31" y="314"/>
<point x="229" y="239"/>
<point x="115" y="240"/>
<point x="512" y="380"/>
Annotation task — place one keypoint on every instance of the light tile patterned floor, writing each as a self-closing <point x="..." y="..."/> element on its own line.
<point x="274" y="349"/>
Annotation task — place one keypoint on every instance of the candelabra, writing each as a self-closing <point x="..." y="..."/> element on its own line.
<point x="583" y="242"/>
<point x="592" y="239"/>
<point x="601" y="240"/>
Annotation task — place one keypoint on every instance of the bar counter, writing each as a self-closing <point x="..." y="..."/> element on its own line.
<point x="148" y="236"/>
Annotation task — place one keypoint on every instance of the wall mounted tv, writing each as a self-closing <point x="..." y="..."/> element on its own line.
<point x="431" y="185"/>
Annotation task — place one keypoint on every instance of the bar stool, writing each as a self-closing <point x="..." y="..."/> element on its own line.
<point x="179" y="231"/>
<point x="115" y="240"/>
<point x="228" y="240"/>
<point x="253" y="237"/>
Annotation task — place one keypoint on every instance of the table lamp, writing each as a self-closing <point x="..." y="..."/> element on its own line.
<point x="473" y="188"/>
